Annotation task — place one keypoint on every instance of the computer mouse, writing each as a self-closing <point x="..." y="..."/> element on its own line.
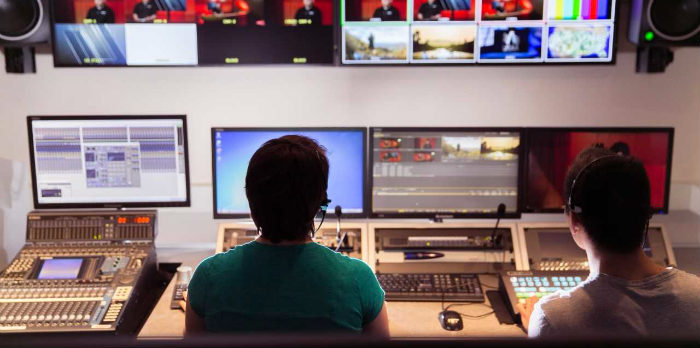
<point x="451" y="321"/>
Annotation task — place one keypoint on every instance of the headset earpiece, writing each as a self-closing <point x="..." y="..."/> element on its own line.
<point x="570" y="204"/>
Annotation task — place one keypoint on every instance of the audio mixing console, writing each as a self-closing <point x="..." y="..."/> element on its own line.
<point x="79" y="271"/>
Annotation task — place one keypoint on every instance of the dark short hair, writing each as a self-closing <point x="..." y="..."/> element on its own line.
<point x="285" y="184"/>
<point x="614" y="196"/>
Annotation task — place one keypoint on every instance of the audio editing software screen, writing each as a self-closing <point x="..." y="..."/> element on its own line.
<point x="124" y="32"/>
<point x="265" y="31"/>
<point x="476" y="31"/>
<point x="105" y="161"/>
<point x="456" y="172"/>
<point x="551" y="151"/>
<point x="233" y="149"/>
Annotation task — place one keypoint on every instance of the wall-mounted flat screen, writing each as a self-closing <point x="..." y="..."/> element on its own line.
<point x="124" y="33"/>
<point x="265" y="31"/>
<point x="477" y="31"/>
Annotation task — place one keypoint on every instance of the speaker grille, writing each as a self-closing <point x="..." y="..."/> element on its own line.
<point x="675" y="19"/>
<point x="19" y="18"/>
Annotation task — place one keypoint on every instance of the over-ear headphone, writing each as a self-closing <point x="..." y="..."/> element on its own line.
<point x="569" y="204"/>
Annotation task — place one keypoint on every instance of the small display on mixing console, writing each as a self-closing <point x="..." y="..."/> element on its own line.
<point x="60" y="268"/>
<point x="133" y="220"/>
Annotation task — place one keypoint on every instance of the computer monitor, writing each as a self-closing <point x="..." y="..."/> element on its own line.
<point x="444" y="172"/>
<point x="550" y="152"/>
<point x="109" y="161"/>
<point x="232" y="149"/>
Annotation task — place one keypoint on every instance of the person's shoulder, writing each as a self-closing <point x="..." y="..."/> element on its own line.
<point x="221" y="260"/>
<point x="684" y="280"/>
<point x="561" y="301"/>
<point x="349" y="264"/>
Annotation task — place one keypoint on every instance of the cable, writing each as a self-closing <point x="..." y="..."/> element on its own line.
<point x="468" y="316"/>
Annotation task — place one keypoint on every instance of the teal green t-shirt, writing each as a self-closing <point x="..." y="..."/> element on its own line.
<point x="261" y="287"/>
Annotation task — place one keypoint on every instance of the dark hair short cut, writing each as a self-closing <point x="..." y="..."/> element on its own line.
<point x="285" y="184"/>
<point x="614" y="196"/>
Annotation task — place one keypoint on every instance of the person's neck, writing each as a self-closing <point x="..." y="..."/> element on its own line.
<point x="631" y="266"/>
<point x="264" y="240"/>
<point x="387" y="7"/>
<point x="308" y="8"/>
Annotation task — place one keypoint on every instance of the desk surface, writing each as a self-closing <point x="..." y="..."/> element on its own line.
<point x="406" y="319"/>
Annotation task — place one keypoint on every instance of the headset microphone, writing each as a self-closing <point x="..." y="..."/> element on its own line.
<point x="338" y="238"/>
<point x="500" y="212"/>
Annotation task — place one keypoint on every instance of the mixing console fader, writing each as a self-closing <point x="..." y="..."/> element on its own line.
<point x="79" y="271"/>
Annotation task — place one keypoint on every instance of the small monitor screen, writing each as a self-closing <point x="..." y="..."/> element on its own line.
<point x="477" y="31"/>
<point x="109" y="161"/>
<point x="60" y="269"/>
<point x="233" y="148"/>
<point x="551" y="151"/>
<point x="447" y="171"/>
<point x="124" y="32"/>
<point x="558" y="244"/>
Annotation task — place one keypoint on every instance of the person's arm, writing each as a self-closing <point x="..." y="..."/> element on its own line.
<point x="136" y="18"/>
<point x="525" y="310"/>
<point x="194" y="324"/>
<point x="533" y="318"/>
<point x="379" y="327"/>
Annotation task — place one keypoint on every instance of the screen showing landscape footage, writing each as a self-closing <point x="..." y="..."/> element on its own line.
<point x="450" y="172"/>
<point x="124" y="32"/>
<point x="264" y="31"/>
<point x="551" y="152"/>
<point x="477" y="31"/>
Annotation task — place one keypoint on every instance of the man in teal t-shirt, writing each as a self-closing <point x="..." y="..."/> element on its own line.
<point x="283" y="281"/>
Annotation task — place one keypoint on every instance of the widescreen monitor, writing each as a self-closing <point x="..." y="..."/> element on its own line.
<point x="109" y="161"/>
<point x="552" y="150"/>
<point x="232" y="149"/>
<point x="444" y="172"/>
<point x="477" y="31"/>
<point x="231" y="32"/>
<point x="124" y="33"/>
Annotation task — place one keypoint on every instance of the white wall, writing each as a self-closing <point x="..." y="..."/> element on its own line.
<point x="340" y="96"/>
<point x="361" y="96"/>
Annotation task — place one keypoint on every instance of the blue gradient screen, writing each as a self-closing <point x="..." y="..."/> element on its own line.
<point x="234" y="148"/>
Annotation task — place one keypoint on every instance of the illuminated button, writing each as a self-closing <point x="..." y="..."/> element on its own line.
<point x="578" y="279"/>
<point x="513" y="279"/>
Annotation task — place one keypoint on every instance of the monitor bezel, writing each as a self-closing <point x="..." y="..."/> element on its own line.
<point x="115" y="205"/>
<point x="669" y="157"/>
<point x="330" y="213"/>
<point x="438" y="215"/>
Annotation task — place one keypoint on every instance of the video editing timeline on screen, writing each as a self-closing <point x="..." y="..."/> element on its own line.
<point x="85" y="161"/>
<point x="550" y="151"/>
<point x="449" y="172"/>
<point x="471" y="31"/>
<point x="232" y="149"/>
<point x="79" y="271"/>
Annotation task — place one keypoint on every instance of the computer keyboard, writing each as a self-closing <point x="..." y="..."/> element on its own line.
<point x="457" y="287"/>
